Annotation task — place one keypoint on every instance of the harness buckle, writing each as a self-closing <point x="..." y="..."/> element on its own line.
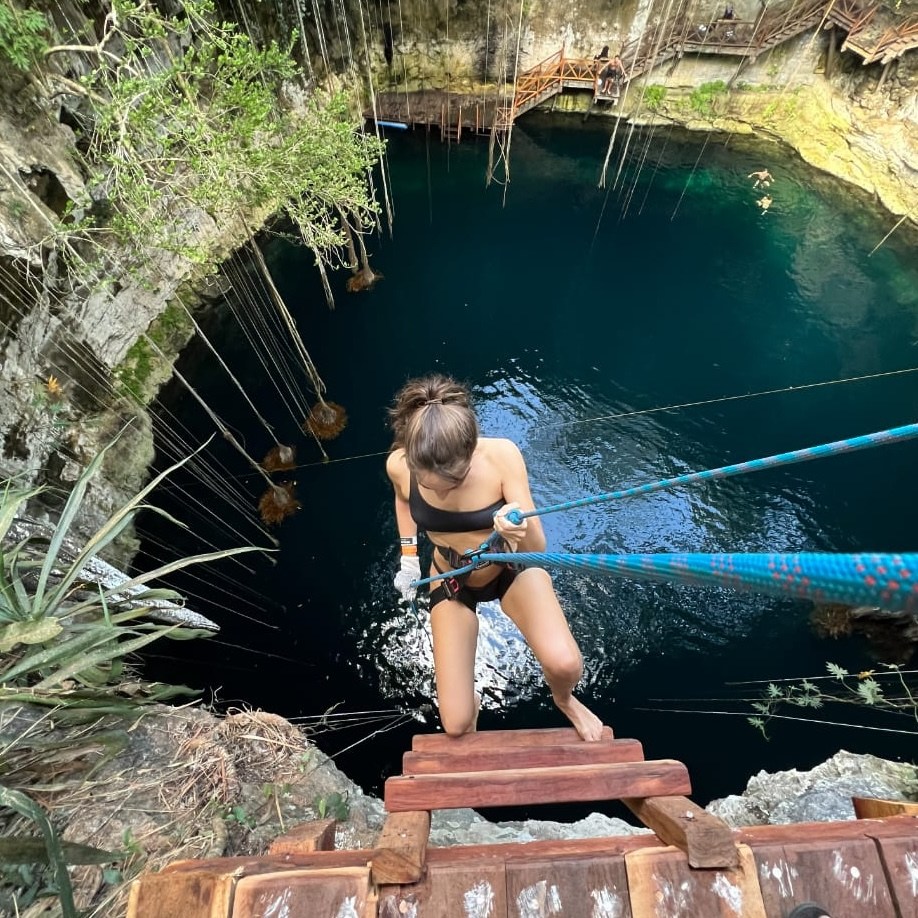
<point x="451" y="586"/>
<point x="476" y="556"/>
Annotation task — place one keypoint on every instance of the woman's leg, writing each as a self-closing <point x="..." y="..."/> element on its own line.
<point x="455" y="637"/>
<point x="533" y="607"/>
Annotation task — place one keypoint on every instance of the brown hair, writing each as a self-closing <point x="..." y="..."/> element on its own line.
<point x="433" y="421"/>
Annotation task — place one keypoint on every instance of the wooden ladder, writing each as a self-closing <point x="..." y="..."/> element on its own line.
<point x="524" y="767"/>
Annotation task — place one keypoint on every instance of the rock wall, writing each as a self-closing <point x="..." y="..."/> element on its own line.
<point x="86" y="334"/>
<point x="857" y="124"/>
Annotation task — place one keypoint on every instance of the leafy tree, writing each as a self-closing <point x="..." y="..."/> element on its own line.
<point x="191" y="114"/>
<point x="22" y="36"/>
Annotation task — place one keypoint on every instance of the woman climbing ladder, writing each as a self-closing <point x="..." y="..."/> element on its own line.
<point x="440" y="468"/>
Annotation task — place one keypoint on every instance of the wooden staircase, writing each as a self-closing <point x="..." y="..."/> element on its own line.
<point x="525" y="767"/>
<point x="681" y="34"/>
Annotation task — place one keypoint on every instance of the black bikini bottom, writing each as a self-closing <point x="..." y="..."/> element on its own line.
<point x="457" y="588"/>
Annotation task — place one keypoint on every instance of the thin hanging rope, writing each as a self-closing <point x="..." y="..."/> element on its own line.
<point x="836" y="448"/>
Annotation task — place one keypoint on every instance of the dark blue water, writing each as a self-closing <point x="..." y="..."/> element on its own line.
<point x="563" y="305"/>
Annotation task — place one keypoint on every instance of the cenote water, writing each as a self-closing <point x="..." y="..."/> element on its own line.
<point x="565" y="307"/>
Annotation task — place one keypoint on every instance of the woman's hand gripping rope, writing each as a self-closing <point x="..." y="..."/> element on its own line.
<point x="510" y="525"/>
<point x="405" y="581"/>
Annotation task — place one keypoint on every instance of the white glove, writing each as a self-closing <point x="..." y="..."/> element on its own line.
<point x="409" y="571"/>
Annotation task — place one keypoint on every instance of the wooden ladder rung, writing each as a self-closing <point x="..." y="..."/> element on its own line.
<point x="524" y="786"/>
<point x="487" y="759"/>
<point x="499" y="739"/>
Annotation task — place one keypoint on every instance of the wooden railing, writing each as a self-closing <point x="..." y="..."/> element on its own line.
<point x="737" y="37"/>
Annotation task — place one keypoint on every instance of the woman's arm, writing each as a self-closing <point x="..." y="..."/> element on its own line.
<point x="409" y="569"/>
<point x="515" y="487"/>
<point x="397" y="470"/>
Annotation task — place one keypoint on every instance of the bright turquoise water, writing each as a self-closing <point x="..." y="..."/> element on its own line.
<point x="560" y="307"/>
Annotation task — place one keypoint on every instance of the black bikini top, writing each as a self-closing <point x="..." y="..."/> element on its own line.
<point x="435" y="519"/>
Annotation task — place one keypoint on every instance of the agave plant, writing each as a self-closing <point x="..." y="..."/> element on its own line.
<point x="63" y="642"/>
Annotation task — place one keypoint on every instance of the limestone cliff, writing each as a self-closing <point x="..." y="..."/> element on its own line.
<point x="86" y="334"/>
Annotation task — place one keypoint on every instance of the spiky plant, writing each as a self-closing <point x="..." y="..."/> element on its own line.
<point x="64" y="644"/>
<point x="65" y="649"/>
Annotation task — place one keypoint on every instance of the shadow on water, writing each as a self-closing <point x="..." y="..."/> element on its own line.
<point x="563" y="308"/>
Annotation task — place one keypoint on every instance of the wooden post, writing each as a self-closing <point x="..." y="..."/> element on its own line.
<point x="305" y="838"/>
<point x="867" y="808"/>
<point x="400" y="855"/>
<point x="883" y="76"/>
<point x="706" y="840"/>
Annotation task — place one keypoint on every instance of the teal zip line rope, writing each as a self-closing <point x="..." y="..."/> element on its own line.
<point x="835" y="448"/>
<point x="886" y="580"/>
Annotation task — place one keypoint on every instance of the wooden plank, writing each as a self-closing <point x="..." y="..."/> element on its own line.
<point x="401" y="849"/>
<point x="248" y="866"/>
<point x="706" y="840"/>
<point x="844" y="876"/>
<point x="662" y="885"/>
<point x="498" y="739"/>
<point x="580" y="753"/>
<point x="892" y="826"/>
<point x="558" y="849"/>
<point x="199" y="895"/>
<point x="577" y="888"/>
<point x="448" y="891"/>
<point x="319" y="893"/>
<point x="317" y="835"/>
<point x="522" y="786"/>
<point x="869" y="808"/>
<point x="899" y="857"/>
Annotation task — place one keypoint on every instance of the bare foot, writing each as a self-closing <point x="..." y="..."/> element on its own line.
<point x="584" y="721"/>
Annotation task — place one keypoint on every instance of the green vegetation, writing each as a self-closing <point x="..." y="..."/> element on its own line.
<point x="22" y="36"/>
<point x="703" y="99"/>
<point x="885" y="690"/>
<point x="333" y="806"/>
<point x="65" y="649"/>
<point x="143" y="370"/>
<point x="222" y="128"/>
<point x="64" y="641"/>
<point x="654" y="96"/>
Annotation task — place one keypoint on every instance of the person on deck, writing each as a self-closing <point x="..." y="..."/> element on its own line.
<point x="612" y="76"/>
<point x="459" y="488"/>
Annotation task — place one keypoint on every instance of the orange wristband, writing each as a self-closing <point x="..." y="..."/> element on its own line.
<point x="409" y="545"/>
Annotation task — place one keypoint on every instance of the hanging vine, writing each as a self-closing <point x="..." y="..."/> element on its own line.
<point x="190" y="115"/>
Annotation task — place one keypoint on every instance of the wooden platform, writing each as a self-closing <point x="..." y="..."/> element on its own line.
<point x="873" y="32"/>
<point x="692" y="866"/>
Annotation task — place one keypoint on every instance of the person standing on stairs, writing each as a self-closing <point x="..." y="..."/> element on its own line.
<point x="459" y="488"/>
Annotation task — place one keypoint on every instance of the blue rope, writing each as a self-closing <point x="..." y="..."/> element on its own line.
<point x="886" y="580"/>
<point x="867" y="579"/>
<point x="837" y="447"/>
